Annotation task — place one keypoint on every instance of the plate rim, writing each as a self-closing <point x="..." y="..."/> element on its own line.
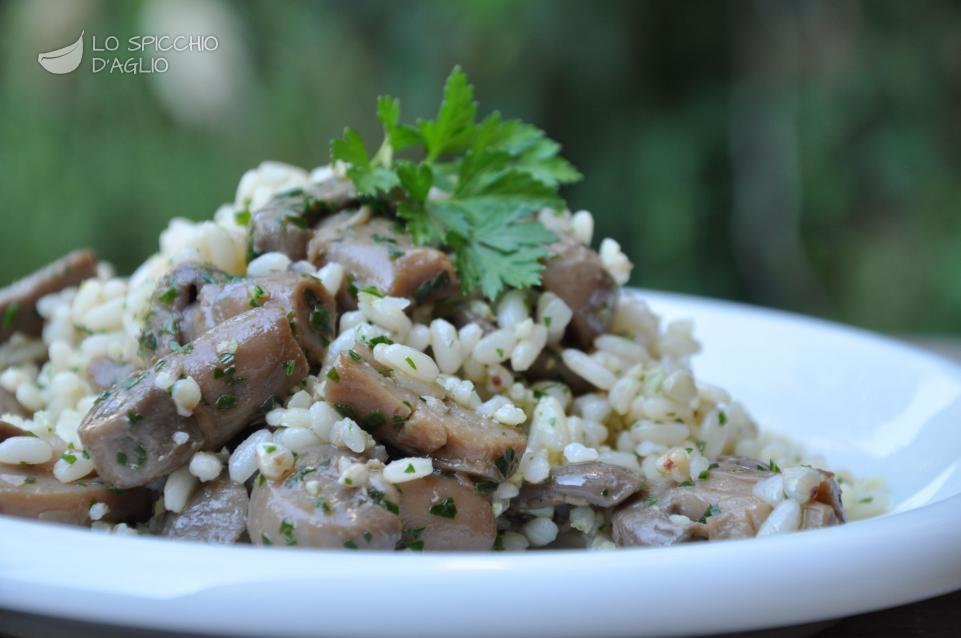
<point x="22" y="588"/>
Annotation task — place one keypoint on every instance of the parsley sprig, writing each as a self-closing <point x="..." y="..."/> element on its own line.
<point x="488" y="176"/>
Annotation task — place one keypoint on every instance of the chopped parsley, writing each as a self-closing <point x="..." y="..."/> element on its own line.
<point x="256" y="298"/>
<point x="289" y="366"/>
<point x="121" y="458"/>
<point x="409" y="469"/>
<point x="411" y="363"/>
<point x="29" y="480"/>
<point x="287" y="531"/>
<point x="346" y="410"/>
<point x="770" y="467"/>
<point x="707" y="473"/>
<point x="373" y="291"/>
<point x="722" y="417"/>
<point x="485" y="486"/>
<point x="242" y="217"/>
<point x="349" y="544"/>
<point x="319" y="317"/>
<point x="133" y="417"/>
<point x="505" y="462"/>
<point x="10" y="314"/>
<point x="333" y="375"/>
<point x="445" y="509"/>
<point x="225" y="401"/>
<point x="495" y="173"/>
<point x="69" y="458"/>
<point x="264" y="539"/>
<point x="379" y="498"/>
<point x="711" y="510"/>
<point x="410" y="539"/>
<point x="353" y="355"/>
<point x="168" y="295"/>
<point x="866" y="500"/>
<point x="141" y="457"/>
<point x="374" y="419"/>
<point x="371" y="343"/>
<point x="133" y="381"/>
<point x="429" y="286"/>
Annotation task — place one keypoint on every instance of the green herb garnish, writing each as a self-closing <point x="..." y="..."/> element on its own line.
<point x="445" y="509"/>
<point x="711" y="510"/>
<point x="225" y="401"/>
<point x="495" y="174"/>
<point x="10" y="314"/>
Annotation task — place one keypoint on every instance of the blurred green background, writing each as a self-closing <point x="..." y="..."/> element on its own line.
<point x="803" y="155"/>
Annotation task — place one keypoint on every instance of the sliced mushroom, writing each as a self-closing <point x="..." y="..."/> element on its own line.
<point x="30" y="493"/>
<point x="574" y="272"/>
<point x="284" y="223"/>
<point x="456" y="439"/>
<point x="309" y="307"/>
<point x="172" y="303"/>
<point x="377" y="254"/>
<point x="310" y="508"/>
<point x="8" y="430"/>
<point x="134" y="432"/>
<point x="580" y="484"/>
<point x="446" y="513"/>
<point x="720" y="506"/>
<point x="18" y="301"/>
<point x="216" y="513"/>
<point x="640" y="524"/>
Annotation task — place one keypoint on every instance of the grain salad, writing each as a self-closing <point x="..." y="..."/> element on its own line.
<point x="414" y="348"/>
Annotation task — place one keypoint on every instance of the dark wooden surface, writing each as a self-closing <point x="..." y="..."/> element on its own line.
<point x="935" y="618"/>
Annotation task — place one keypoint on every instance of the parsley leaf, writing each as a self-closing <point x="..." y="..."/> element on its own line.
<point x="454" y="126"/>
<point x="369" y="178"/>
<point x="476" y="190"/>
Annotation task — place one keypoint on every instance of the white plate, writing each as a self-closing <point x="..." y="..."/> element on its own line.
<point x="864" y="402"/>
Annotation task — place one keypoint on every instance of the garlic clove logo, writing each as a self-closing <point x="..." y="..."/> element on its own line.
<point x="64" y="60"/>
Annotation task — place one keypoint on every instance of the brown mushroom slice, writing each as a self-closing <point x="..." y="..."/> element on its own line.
<point x="640" y="524"/>
<point x="10" y="405"/>
<point x="18" y="301"/>
<point x="377" y="254"/>
<point x="310" y="508"/>
<point x="580" y="484"/>
<point x="171" y="306"/>
<point x="8" y="430"/>
<point x="216" y="513"/>
<point x="30" y="493"/>
<point x="723" y="504"/>
<point x="283" y="224"/>
<point x="379" y="404"/>
<point x="446" y="513"/>
<point x="474" y="444"/>
<point x="134" y="432"/>
<point x="456" y="439"/>
<point x="574" y="272"/>
<point x="309" y="307"/>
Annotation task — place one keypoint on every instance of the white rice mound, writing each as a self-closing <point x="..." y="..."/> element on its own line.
<point x="647" y="412"/>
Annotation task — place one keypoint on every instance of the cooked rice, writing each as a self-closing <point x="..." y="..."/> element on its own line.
<point x="647" y="412"/>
